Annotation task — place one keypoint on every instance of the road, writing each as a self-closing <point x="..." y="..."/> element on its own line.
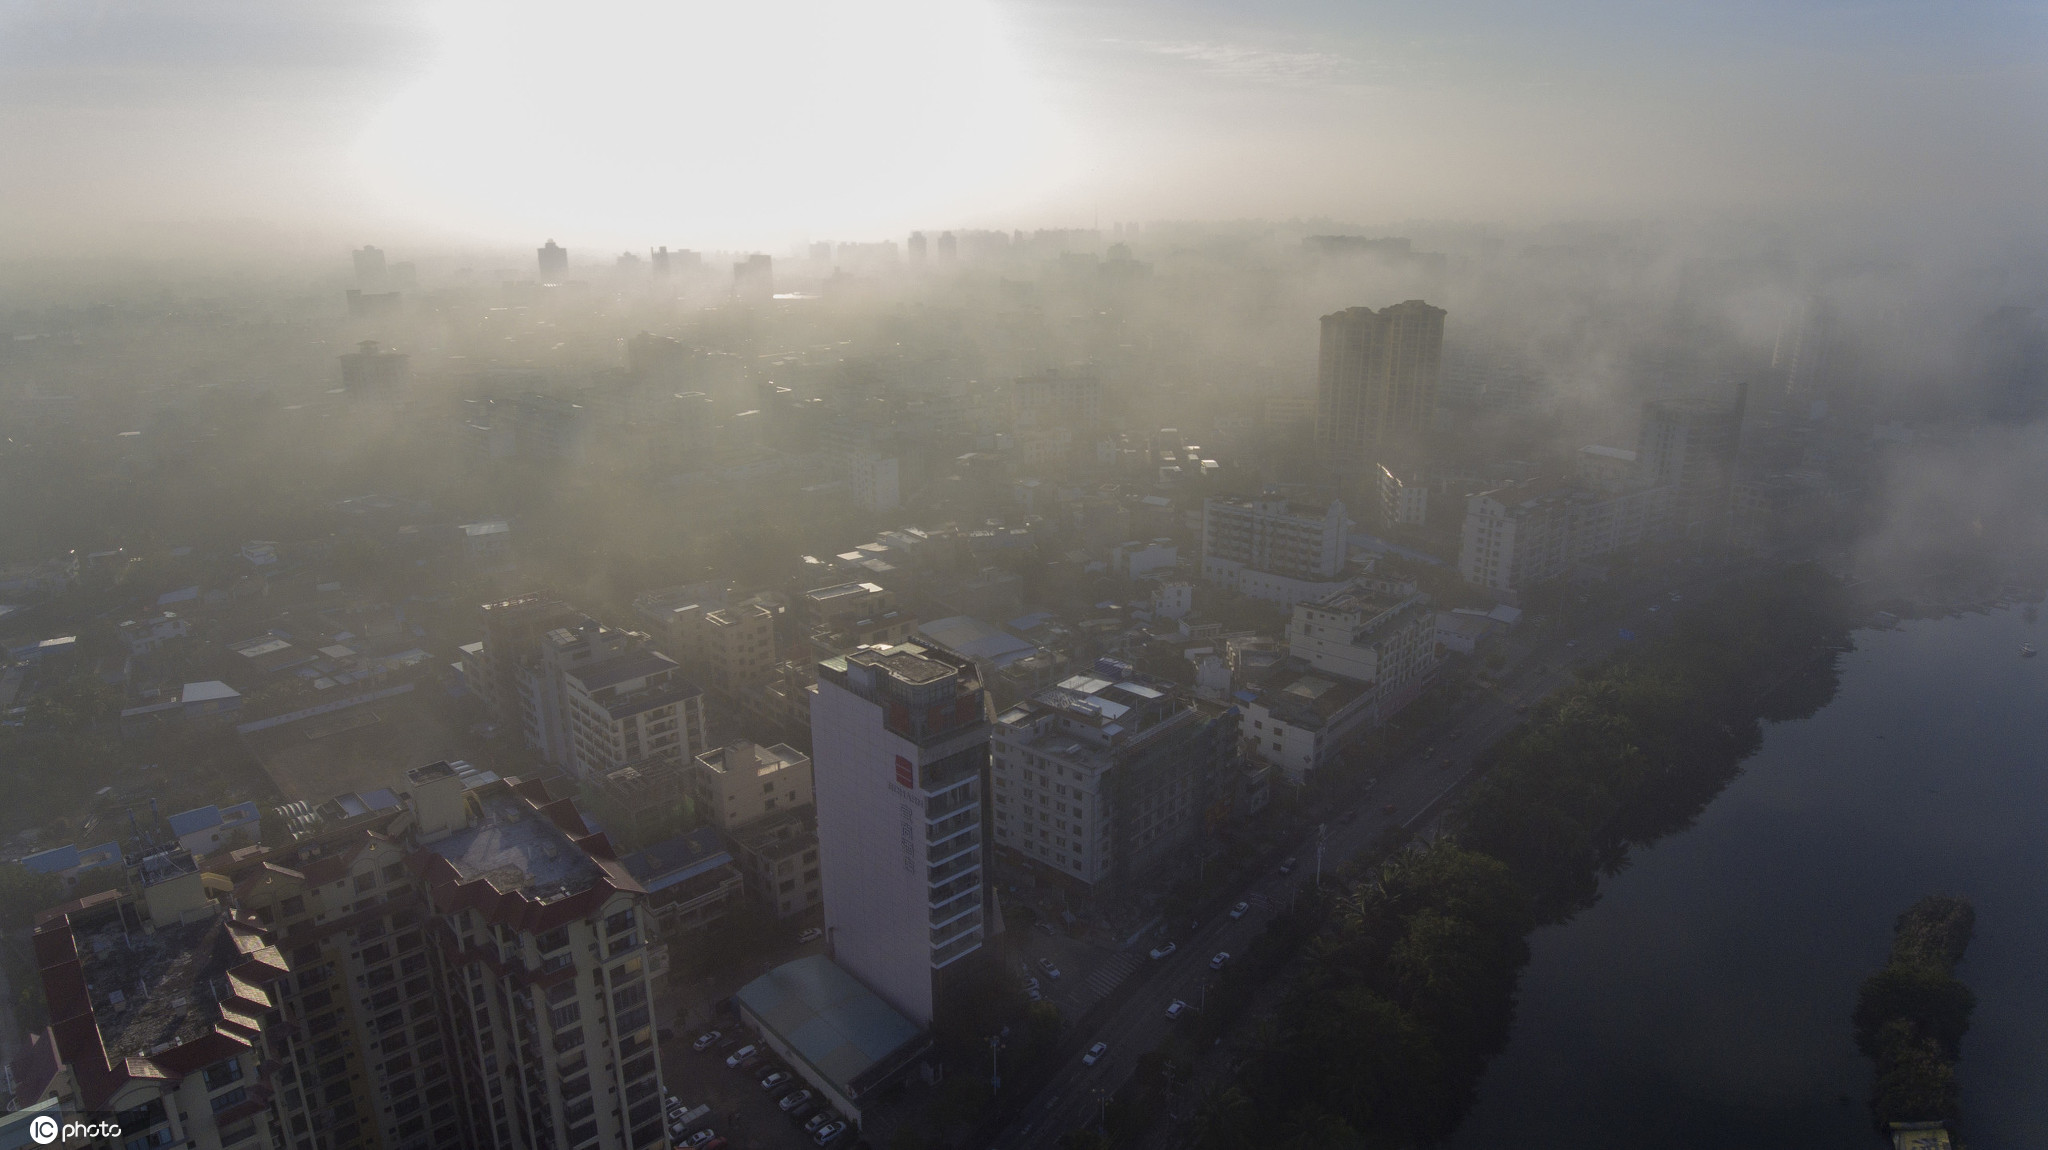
<point x="1414" y="789"/>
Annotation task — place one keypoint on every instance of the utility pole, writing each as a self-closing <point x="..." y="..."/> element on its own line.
<point x="995" y="1065"/>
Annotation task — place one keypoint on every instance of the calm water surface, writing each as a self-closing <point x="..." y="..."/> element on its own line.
<point x="1705" y="1001"/>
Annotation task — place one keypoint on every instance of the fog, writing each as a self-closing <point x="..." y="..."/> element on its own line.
<point x="378" y="378"/>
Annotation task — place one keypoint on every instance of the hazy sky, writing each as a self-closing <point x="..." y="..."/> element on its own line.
<point x="622" y="122"/>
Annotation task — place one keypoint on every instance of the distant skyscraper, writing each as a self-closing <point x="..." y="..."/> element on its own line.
<point x="658" y="259"/>
<point x="554" y="262"/>
<point x="1377" y="382"/>
<point x="900" y="759"/>
<point x="948" y="246"/>
<point x="916" y="247"/>
<point x="369" y="265"/>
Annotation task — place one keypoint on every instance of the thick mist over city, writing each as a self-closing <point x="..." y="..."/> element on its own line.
<point x="1015" y="574"/>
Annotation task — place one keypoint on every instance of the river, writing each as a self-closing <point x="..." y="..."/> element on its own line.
<point x="1704" y="1001"/>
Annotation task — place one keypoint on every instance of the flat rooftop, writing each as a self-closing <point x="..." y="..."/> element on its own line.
<point x="841" y="1028"/>
<point x="516" y="848"/>
<point x="152" y="991"/>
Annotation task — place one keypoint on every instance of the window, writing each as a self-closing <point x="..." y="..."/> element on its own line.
<point x="561" y="992"/>
<point x="555" y="939"/>
<point x="292" y="905"/>
<point x="565" y="1015"/>
<point x="366" y="881"/>
<point x="394" y="872"/>
<point x="233" y="1097"/>
<point x="620" y="922"/>
<point x="569" y="1039"/>
<point x="375" y="954"/>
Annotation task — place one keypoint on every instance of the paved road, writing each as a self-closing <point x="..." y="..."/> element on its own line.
<point x="1412" y="787"/>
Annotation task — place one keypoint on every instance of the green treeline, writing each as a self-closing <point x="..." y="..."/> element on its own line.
<point x="1407" y="988"/>
<point x="1911" y="1016"/>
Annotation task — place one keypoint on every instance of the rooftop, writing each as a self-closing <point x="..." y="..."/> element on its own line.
<point x="966" y="635"/>
<point x="516" y="848"/>
<point x="827" y="1018"/>
<point x="632" y="665"/>
<point x="1306" y="698"/>
<point x="152" y="990"/>
<point x="678" y="859"/>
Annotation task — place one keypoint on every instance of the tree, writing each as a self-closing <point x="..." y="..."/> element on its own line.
<point x="24" y="892"/>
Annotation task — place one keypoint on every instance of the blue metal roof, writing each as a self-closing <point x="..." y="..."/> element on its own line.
<point x="197" y="819"/>
<point x="841" y="1028"/>
<point x="679" y="859"/>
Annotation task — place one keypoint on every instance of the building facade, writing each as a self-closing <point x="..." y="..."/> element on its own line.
<point x="742" y="781"/>
<point x="1103" y="778"/>
<point x="1522" y="534"/>
<point x="1269" y="549"/>
<point x="900" y="758"/>
<point x="629" y="708"/>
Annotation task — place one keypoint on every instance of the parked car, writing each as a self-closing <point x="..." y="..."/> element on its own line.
<point x="828" y="1132"/>
<point x="1095" y="1054"/>
<point x="1033" y="994"/>
<point x="706" y="1041"/>
<point x="791" y="1102"/>
<point x="681" y="1120"/>
<point x="702" y="1136"/>
<point x="1240" y="910"/>
<point x="1159" y="952"/>
<point x="818" y="1120"/>
<point x="1222" y="956"/>
<point x="774" y="1080"/>
<point x="733" y="1060"/>
<point x="1031" y="984"/>
<point x="1176" y="1008"/>
<point x="1051" y="971"/>
<point x="1287" y="864"/>
<point x="811" y="934"/>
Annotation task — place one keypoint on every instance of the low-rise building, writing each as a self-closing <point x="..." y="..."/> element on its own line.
<point x="743" y="781"/>
<point x="204" y="830"/>
<point x="151" y="632"/>
<point x="1301" y="718"/>
<point x="691" y="881"/>
<point x="779" y="856"/>
<point x="632" y="707"/>
<point x="840" y="1037"/>
<point x="1522" y="534"/>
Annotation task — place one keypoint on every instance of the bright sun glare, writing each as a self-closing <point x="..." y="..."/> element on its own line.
<point x="638" y="122"/>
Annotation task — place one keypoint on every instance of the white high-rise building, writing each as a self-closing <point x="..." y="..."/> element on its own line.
<point x="900" y="753"/>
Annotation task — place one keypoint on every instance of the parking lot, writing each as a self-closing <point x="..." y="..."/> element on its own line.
<point x="741" y="1111"/>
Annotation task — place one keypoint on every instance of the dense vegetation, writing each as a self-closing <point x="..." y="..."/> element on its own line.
<point x="1406" y="987"/>
<point x="1911" y="1016"/>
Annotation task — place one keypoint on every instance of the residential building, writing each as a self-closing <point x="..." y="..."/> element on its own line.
<point x="1377" y="379"/>
<point x="466" y="968"/>
<point x="848" y="616"/>
<point x="1367" y="635"/>
<point x="204" y="830"/>
<point x="1689" y="446"/>
<point x="640" y="803"/>
<point x="873" y="480"/>
<point x="779" y="855"/>
<point x="630" y="707"/>
<point x="512" y="629"/>
<point x="554" y="262"/>
<point x="151" y="632"/>
<point x="900" y="757"/>
<point x="163" y="1007"/>
<point x="543" y="682"/>
<point x="1301" y="718"/>
<point x="1404" y="501"/>
<point x="1270" y="549"/>
<point x="1056" y="399"/>
<point x="1519" y="535"/>
<point x="1103" y="778"/>
<point x="742" y="781"/>
<point x="71" y="862"/>
<point x="690" y="879"/>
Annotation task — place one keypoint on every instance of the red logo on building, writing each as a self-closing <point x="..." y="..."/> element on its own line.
<point x="906" y="775"/>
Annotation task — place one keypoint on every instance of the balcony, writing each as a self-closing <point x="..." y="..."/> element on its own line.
<point x="954" y="840"/>
<point x="967" y="924"/>
<point x="959" y="865"/>
<point x="960" y="845"/>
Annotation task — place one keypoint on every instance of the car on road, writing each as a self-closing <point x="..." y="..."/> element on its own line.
<point x="792" y="1101"/>
<point x="1051" y="971"/>
<point x="810" y="934"/>
<point x="1176" y="1008"/>
<point x="828" y="1132"/>
<point x="1095" y="1054"/>
<point x="1653" y="606"/>
<point x="1159" y="952"/>
<point x="1222" y="956"/>
<point x="733" y="1060"/>
<point x="1287" y="864"/>
<point x="706" y="1041"/>
<point x="1240" y="910"/>
<point x="1571" y="643"/>
<point x="774" y="1080"/>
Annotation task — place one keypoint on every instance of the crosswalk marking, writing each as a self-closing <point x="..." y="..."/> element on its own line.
<point x="1112" y="973"/>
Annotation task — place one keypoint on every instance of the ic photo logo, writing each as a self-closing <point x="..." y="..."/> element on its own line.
<point x="45" y="1130"/>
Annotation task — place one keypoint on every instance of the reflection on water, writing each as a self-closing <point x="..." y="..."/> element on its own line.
<point x="1705" y="1000"/>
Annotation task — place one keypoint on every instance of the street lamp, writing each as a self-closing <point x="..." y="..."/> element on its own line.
<point x="1322" y="833"/>
<point x="995" y="1066"/>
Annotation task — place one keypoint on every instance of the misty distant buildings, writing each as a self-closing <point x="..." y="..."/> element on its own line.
<point x="1689" y="446"/>
<point x="1377" y="380"/>
<point x="900" y="754"/>
<point x="369" y="263"/>
<point x="371" y="367"/>
<point x="1522" y="534"/>
<point x="554" y="262"/>
<point x="753" y="278"/>
<point x="1269" y="549"/>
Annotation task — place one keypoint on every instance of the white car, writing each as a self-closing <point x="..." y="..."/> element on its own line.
<point x="1159" y="952"/>
<point x="774" y="1080"/>
<point x="707" y="1040"/>
<point x="1176" y="1008"/>
<point x="793" y="1100"/>
<point x="1240" y="910"/>
<point x="811" y="934"/>
<point x="1051" y="971"/>
<point x="1222" y="956"/>
<point x="702" y="1136"/>
<point x="733" y="1060"/>
<point x="828" y="1132"/>
<point x="1095" y="1054"/>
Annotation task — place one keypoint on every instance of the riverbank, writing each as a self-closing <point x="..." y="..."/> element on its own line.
<point x="1408" y="992"/>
